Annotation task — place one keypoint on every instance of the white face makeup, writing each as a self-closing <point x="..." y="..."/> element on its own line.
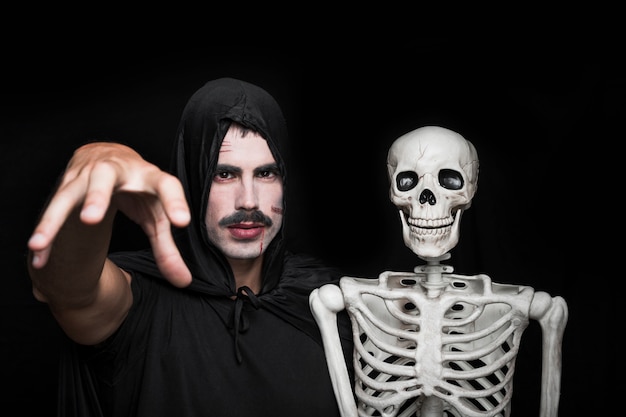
<point x="244" y="210"/>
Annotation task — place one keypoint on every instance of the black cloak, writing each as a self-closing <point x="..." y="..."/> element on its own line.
<point x="211" y="349"/>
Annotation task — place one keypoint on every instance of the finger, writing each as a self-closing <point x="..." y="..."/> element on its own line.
<point x="93" y="194"/>
<point x="102" y="179"/>
<point x="58" y="210"/>
<point x="55" y="215"/>
<point x="39" y="258"/>
<point x="171" y="194"/>
<point x="167" y="256"/>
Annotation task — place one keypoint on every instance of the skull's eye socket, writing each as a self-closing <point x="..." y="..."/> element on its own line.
<point x="406" y="180"/>
<point x="450" y="179"/>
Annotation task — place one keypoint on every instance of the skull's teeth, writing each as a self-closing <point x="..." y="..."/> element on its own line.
<point x="431" y="231"/>
<point x="430" y="223"/>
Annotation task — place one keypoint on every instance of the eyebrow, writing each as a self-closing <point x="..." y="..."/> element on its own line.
<point x="267" y="167"/>
<point x="227" y="168"/>
<point x="237" y="170"/>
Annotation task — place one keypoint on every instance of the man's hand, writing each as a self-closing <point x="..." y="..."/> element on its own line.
<point x="109" y="176"/>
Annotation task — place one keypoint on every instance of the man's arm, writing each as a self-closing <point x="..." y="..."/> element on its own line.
<point x="87" y="293"/>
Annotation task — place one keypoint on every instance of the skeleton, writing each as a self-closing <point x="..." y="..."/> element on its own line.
<point x="431" y="343"/>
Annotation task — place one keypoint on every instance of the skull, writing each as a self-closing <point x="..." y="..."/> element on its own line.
<point x="433" y="174"/>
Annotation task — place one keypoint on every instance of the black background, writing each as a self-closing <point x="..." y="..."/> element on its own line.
<point x="546" y="121"/>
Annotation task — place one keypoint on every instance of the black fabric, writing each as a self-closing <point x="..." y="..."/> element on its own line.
<point x="211" y="349"/>
<point x="204" y="123"/>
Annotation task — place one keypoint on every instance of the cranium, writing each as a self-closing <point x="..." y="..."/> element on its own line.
<point x="433" y="173"/>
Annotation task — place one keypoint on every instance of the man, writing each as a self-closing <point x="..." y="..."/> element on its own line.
<point x="214" y="320"/>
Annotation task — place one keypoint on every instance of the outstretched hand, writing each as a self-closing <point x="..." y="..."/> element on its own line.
<point x="106" y="176"/>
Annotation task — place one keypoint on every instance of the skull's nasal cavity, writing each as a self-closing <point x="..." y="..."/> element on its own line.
<point x="427" y="196"/>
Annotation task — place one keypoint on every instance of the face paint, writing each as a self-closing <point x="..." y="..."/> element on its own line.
<point x="246" y="190"/>
<point x="261" y="243"/>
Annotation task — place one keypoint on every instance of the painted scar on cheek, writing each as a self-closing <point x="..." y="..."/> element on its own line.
<point x="261" y="243"/>
<point x="277" y="210"/>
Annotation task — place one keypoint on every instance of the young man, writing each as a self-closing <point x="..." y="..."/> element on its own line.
<point x="214" y="319"/>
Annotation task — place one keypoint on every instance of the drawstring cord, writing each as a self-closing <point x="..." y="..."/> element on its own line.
<point x="240" y="322"/>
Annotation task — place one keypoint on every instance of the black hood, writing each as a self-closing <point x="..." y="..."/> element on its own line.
<point x="203" y="125"/>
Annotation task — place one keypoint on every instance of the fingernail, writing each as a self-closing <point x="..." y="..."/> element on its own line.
<point x="90" y="211"/>
<point x="182" y="215"/>
<point x="36" y="239"/>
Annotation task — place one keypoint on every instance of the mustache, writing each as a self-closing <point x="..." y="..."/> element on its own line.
<point x="256" y="216"/>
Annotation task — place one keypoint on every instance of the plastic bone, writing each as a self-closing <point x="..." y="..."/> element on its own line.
<point x="431" y="343"/>
<point x="434" y="175"/>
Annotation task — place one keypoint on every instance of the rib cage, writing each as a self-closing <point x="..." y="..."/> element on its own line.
<point x="459" y="347"/>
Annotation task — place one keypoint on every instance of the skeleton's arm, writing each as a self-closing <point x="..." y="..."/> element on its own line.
<point x="325" y="303"/>
<point x="551" y="313"/>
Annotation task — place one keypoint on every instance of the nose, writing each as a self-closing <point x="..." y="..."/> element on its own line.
<point x="427" y="196"/>
<point x="247" y="197"/>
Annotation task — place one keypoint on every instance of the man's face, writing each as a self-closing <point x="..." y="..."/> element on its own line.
<point x="245" y="205"/>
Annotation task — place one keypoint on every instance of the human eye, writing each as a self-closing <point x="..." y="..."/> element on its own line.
<point x="268" y="172"/>
<point x="223" y="174"/>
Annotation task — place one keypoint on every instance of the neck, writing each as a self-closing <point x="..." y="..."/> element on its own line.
<point x="247" y="272"/>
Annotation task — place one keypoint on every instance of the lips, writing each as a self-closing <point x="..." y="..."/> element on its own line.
<point x="244" y="231"/>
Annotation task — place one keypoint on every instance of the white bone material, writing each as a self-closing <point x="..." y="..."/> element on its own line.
<point x="431" y="343"/>
<point x="434" y="175"/>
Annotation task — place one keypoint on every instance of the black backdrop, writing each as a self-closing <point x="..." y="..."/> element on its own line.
<point x="546" y="123"/>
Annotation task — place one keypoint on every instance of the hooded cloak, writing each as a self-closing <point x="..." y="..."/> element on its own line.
<point x="212" y="349"/>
